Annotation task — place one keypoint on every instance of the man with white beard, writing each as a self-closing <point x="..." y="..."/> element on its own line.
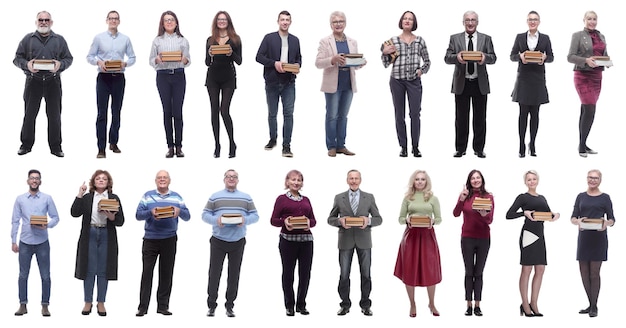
<point x="42" y="55"/>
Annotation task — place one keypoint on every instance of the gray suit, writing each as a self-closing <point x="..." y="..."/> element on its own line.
<point x="466" y="89"/>
<point x="355" y="238"/>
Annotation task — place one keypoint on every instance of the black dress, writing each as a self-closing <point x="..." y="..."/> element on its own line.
<point x="531" y="241"/>
<point x="530" y="85"/>
<point x="592" y="244"/>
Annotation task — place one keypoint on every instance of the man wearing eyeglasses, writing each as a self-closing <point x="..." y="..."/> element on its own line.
<point x="229" y="211"/>
<point x="36" y="213"/>
<point x="112" y="52"/>
<point x="42" y="55"/>
<point x="470" y="82"/>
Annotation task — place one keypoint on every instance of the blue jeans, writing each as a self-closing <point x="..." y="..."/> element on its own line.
<point x="42" y="253"/>
<point x="345" y="263"/>
<point x="172" y="89"/>
<point x="337" y="108"/>
<point x="97" y="265"/>
<point x="287" y="93"/>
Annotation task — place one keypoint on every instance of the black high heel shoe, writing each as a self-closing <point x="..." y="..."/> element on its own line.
<point x="522" y="150"/>
<point x="531" y="150"/>
<point x="535" y="313"/>
<point x="216" y="153"/>
<point x="523" y="313"/>
<point x="87" y="312"/>
<point x="233" y="149"/>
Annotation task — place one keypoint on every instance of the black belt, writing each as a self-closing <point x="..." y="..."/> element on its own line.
<point x="100" y="226"/>
<point x="471" y="80"/>
<point x="171" y="71"/>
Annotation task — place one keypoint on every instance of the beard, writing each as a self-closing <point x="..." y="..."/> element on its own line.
<point x="34" y="189"/>
<point x="43" y="29"/>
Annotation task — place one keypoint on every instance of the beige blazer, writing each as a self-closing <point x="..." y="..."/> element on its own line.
<point x="327" y="49"/>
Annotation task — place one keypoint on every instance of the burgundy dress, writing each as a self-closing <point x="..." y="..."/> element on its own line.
<point x="588" y="83"/>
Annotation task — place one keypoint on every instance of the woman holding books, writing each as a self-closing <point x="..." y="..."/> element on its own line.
<point x="593" y="242"/>
<point x="409" y="56"/>
<point x="585" y="46"/>
<point x="293" y="213"/>
<point x="96" y="256"/>
<point x="530" y="50"/>
<point x="338" y="82"/>
<point x="476" y="205"/>
<point x="169" y="56"/>
<point x="223" y="51"/>
<point x="535" y="210"/>
<point x="418" y="262"/>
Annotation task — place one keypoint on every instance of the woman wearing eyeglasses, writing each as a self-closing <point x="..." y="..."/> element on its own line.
<point x="530" y="86"/>
<point x="593" y="242"/>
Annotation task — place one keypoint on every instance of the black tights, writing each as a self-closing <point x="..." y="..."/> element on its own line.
<point x="587" y="114"/>
<point x="224" y="109"/>
<point x="524" y="110"/>
<point x="590" y="274"/>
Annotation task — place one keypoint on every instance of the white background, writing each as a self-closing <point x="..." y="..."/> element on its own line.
<point x="371" y="134"/>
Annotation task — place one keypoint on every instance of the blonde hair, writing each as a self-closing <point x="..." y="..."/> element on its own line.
<point x="410" y="193"/>
<point x="533" y="172"/>
<point x="590" y="12"/>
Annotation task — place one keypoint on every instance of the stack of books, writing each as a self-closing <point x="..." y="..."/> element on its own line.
<point x="542" y="216"/>
<point x="113" y="65"/>
<point x="419" y="220"/>
<point x="533" y="56"/>
<point x="40" y="220"/>
<point x="111" y="205"/>
<point x="299" y="222"/>
<point x="221" y="49"/>
<point x="354" y="221"/>
<point x="471" y="55"/>
<point x="172" y="56"/>
<point x="43" y="64"/>
<point x="393" y="55"/>
<point x="232" y="218"/>
<point x="353" y="60"/>
<point x="292" y="68"/>
<point x="164" y="212"/>
<point x="591" y="224"/>
<point x="482" y="204"/>
<point x="603" y="61"/>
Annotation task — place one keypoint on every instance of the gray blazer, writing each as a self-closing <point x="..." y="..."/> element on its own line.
<point x="355" y="236"/>
<point x="457" y="44"/>
<point x="581" y="48"/>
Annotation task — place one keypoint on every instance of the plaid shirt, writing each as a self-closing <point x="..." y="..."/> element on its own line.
<point x="408" y="61"/>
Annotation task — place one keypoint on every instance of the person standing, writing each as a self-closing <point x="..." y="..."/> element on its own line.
<point x="170" y="79"/>
<point x="110" y="83"/>
<point x="470" y="82"/>
<point x="42" y="82"/>
<point x="97" y="251"/>
<point x="355" y="203"/>
<point x="227" y="239"/>
<point x="221" y="77"/>
<point x="338" y="82"/>
<point x="584" y="47"/>
<point x="593" y="244"/>
<point x="276" y="49"/>
<point x="530" y="86"/>
<point x="159" y="241"/>
<point x="33" y="239"/>
<point x="409" y="56"/>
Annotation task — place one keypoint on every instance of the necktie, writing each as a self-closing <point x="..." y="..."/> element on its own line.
<point x="470" y="47"/>
<point x="354" y="202"/>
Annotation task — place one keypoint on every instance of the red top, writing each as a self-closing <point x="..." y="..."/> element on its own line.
<point x="474" y="224"/>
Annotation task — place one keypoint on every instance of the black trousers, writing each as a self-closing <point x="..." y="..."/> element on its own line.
<point x="165" y="251"/>
<point x="219" y="250"/>
<point x="471" y="92"/>
<point x="475" y="251"/>
<point x="172" y="89"/>
<point x="109" y="85"/>
<point x="34" y="90"/>
<point x="292" y="253"/>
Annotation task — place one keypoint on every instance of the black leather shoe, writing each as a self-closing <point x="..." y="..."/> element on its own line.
<point x="343" y="311"/>
<point x="302" y="311"/>
<point x="367" y="311"/>
<point x="141" y="312"/>
<point x="593" y="312"/>
<point x="458" y="154"/>
<point x="114" y="148"/>
<point x="23" y="151"/>
<point x="468" y="312"/>
<point x="478" y="312"/>
<point x="101" y="154"/>
<point x="403" y="152"/>
<point x="416" y="152"/>
<point x="170" y="153"/>
<point x="164" y="312"/>
<point x="290" y="312"/>
<point x="271" y="144"/>
<point x="480" y="154"/>
<point x="211" y="313"/>
<point x="590" y="151"/>
<point x="57" y="153"/>
<point x="230" y="313"/>
<point x="179" y="152"/>
<point x="585" y="311"/>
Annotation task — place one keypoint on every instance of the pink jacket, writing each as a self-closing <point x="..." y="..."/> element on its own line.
<point x="327" y="49"/>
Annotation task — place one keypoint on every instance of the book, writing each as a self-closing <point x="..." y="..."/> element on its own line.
<point x="354" y="221"/>
<point x="419" y="220"/>
<point x="542" y="216"/>
<point x="354" y="60"/>
<point x="292" y="68"/>
<point x="220" y="49"/>
<point x="164" y="212"/>
<point x="43" y="64"/>
<point x="533" y="56"/>
<point x="471" y="56"/>
<point x="172" y="56"/>
<point x="231" y="218"/>
<point x="481" y="204"/>
<point x="39" y="220"/>
<point x="299" y="222"/>
<point x="603" y="61"/>
<point x="113" y="65"/>
<point x="393" y="55"/>
<point x="591" y="224"/>
<point x="111" y="205"/>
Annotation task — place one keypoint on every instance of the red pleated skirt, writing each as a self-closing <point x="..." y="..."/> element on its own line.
<point x="418" y="262"/>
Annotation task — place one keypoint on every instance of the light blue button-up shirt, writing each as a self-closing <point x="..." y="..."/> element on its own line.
<point x="109" y="46"/>
<point x="27" y="205"/>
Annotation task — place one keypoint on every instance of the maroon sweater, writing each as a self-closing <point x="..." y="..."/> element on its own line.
<point x="474" y="224"/>
<point x="285" y="207"/>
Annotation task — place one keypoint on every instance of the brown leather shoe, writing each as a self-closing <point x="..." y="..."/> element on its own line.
<point x="114" y="148"/>
<point x="345" y="151"/>
<point x="332" y="152"/>
<point x="22" y="310"/>
<point x="179" y="152"/>
<point x="170" y="153"/>
<point x="101" y="154"/>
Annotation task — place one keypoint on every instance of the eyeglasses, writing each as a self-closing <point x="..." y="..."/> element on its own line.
<point x="44" y="20"/>
<point x="593" y="178"/>
<point x="533" y="19"/>
<point x="34" y="178"/>
<point x="169" y="20"/>
<point x="113" y="18"/>
<point x="470" y="20"/>
<point x="222" y="19"/>
<point x="234" y="177"/>
<point x="339" y="22"/>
